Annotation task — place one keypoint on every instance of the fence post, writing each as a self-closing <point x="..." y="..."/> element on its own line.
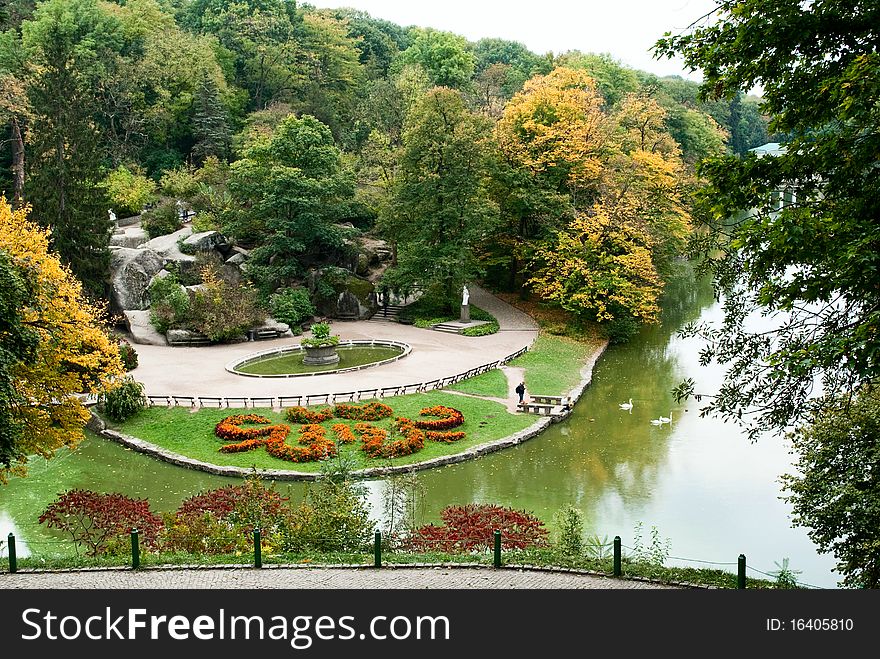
<point x="617" y="569"/>
<point x="135" y="550"/>
<point x="258" y="549"/>
<point x="741" y="572"/>
<point x="13" y="561"/>
<point x="377" y="549"/>
<point x="497" y="548"/>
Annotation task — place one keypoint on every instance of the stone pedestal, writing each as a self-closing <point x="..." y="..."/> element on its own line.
<point x="320" y="356"/>
<point x="465" y="313"/>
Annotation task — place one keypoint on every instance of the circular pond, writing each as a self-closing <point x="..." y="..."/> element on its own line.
<point x="288" y="362"/>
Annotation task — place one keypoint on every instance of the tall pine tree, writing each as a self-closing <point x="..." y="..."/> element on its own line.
<point x="209" y="125"/>
<point x="68" y="44"/>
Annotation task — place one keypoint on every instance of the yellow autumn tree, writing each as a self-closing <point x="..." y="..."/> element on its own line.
<point x="600" y="268"/>
<point x="555" y="128"/>
<point x="72" y="355"/>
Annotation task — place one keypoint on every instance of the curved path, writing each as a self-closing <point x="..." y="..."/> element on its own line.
<point x="390" y="577"/>
<point x="167" y="371"/>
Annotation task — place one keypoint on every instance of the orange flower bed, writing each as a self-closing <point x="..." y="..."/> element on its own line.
<point x="368" y="412"/>
<point x="317" y="446"/>
<point x="449" y="418"/>
<point x="444" y="436"/>
<point x="375" y="445"/>
<point x="343" y="433"/>
<point x="304" y="415"/>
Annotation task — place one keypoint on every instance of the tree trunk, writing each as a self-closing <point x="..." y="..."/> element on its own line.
<point x="17" y="164"/>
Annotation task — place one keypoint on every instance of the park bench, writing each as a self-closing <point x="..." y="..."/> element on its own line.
<point x="550" y="400"/>
<point x="544" y="409"/>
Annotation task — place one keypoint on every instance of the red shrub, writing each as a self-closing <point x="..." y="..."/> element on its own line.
<point x="102" y="522"/>
<point x="472" y="527"/>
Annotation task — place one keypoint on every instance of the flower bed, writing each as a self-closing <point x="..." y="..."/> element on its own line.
<point x="449" y="418"/>
<point x="404" y="438"/>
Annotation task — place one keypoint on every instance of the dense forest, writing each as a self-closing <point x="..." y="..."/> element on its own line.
<point x="292" y="130"/>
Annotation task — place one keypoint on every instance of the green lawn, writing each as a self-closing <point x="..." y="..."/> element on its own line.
<point x="191" y="433"/>
<point x="553" y="364"/>
<point x="493" y="384"/>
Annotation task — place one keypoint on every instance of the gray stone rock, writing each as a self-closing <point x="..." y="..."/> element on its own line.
<point x="142" y="331"/>
<point x="167" y="247"/>
<point x="237" y="258"/>
<point x="131" y="271"/>
<point x="204" y="241"/>
<point x="192" y="290"/>
<point x="129" y="237"/>
<point x="186" y="337"/>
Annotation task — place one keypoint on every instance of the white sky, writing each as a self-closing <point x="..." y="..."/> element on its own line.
<point x="624" y="28"/>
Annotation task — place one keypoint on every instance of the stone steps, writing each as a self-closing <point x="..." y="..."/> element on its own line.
<point x="387" y="314"/>
<point x="444" y="327"/>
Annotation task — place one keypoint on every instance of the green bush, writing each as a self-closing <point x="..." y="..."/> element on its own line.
<point x="123" y="401"/>
<point x="169" y="304"/>
<point x="569" y="523"/>
<point x="128" y="191"/>
<point x="333" y="517"/>
<point x="621" y="330"/>
<point x="292" y="306"/>
<point x="321" y="336"/>
<point x="223" y="311"/>
<point x="161" y="220"/>
<point x="481" y="330"/>
<point x="128" y="355"/>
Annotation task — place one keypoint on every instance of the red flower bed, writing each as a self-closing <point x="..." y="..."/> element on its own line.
<point x="444" y="436"/>
<point x="343" y="433"/>
<point x="472" y="528"/>
<point x="304" y="415"/>
<point x="449" y="418"/>
<point x="368" y="412"/>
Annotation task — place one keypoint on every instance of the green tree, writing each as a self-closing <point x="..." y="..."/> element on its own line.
<point x="293" y="190"/>
<point x="210" y="126"/>
<point x="67" y="45"/>
<point x="444" y="56"/>
<point x="441" y="211"/>
<point x="806" y="252"/>
<point x="837" y="490"/>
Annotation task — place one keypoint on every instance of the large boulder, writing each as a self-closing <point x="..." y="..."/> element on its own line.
<point x="131" y="271"/>
<point x="129" y="237"/>
<point x="353" y="297"/>
<point x="168" y="248"/>
<point x="142" y="330"/>
<point x="203" y="242"/>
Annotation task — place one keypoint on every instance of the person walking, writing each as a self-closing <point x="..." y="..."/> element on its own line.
<point x="521" y="391"/>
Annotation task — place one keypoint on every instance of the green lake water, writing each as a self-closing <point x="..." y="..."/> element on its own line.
<point x="698" y="480"/>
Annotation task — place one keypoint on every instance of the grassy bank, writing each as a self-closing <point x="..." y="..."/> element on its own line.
<point x="553" y="364"/>
<point x="493" y="384"/>
<point x="191" y="432"/>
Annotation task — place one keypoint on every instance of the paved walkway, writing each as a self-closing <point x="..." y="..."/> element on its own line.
<point x="167" y="371"/>
<point x="317" y="578"/>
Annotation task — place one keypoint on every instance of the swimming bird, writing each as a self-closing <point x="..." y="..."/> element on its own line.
<point x="656" y="422"/>
<point x="666" y="419"/>
<point x="626" y="406"/>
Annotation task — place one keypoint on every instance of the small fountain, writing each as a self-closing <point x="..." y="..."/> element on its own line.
<point x="321" y="348"/>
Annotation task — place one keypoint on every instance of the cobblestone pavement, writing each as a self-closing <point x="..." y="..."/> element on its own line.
<point x="317" y="578"/>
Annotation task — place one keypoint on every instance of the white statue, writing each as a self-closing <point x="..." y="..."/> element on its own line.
<point x="465" y="296"/>
<point x="112" y="215"/>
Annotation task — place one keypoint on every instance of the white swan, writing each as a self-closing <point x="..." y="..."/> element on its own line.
<point x="666" y="419"/>
<point x="626" y="406"/>
<point x="656" y="422"/>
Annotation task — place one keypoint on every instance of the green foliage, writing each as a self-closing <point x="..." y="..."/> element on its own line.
<point x="210" y="126"/>
<point x="481" y="330"/>
<point x="440" y="207"/>
<point x="128" y="191"/>
<point x="161" y="220"/>
<point x="569" y="522"/>
<point x="444" y="56"/>
<point x="222" y="310"/>
<point x="124" y="400"/>
<point x="292" y="306"/>
<point x="295" y="188"/>
<point x="835" y="493"/>
<point x="321" y="336"/>
<point x="654" y="553"/>
<point x="128" y="355"/>
<point x="810" y="259"/>
<point x="786" y="578"/>
<point x="169" y="304"/>
<point x="333" y="517"/>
